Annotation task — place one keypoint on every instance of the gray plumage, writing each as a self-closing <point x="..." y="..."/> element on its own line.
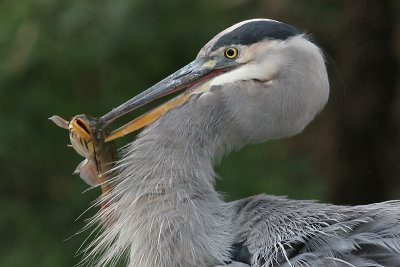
<point x="305" y="233"/>
<point x="165" y="210"/>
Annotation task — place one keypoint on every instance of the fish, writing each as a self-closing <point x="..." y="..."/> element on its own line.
<point x="87" y="135"/>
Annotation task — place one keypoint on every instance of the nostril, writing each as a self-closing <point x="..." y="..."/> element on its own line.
<point x="263" y="82"/>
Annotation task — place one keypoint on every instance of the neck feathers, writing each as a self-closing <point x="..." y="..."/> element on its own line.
<point x="165" y="209"/>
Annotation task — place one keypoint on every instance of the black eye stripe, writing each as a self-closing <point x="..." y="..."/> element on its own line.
<point x="255" y="31"/>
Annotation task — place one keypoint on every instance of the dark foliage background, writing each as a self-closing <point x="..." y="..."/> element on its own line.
<point x="70" y="57"/>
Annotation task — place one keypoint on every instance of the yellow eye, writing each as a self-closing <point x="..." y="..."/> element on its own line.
<point x="231" y="52"/>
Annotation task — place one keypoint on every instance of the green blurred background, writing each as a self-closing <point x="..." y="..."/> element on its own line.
<point x="80" y="56"/>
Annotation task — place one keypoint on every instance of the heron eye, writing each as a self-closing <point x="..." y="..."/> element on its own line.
<point x="231" y="52"/>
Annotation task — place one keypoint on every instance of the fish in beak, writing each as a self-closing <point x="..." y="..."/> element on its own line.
<point x="193" y="78"/>
<point x="91" y="138"/>
<point x="87" y="135"/>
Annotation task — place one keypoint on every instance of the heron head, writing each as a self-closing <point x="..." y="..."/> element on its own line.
<point x="271" y="77"/>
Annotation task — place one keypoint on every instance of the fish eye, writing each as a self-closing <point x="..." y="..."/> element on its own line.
<point x="231" y="52"/>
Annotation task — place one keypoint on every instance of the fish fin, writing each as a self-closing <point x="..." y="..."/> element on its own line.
<point x="60" y="122"/>
<point x="87" y="171"/>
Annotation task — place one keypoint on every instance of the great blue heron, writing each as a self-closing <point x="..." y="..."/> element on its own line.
<point x="255" y="81"/>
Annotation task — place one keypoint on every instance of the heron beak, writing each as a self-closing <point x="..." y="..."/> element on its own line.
<point x="190" y="77"/>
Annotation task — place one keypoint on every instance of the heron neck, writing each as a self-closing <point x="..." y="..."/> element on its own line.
<point x="167" y="178"/>
<point x="182" y="145"/>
